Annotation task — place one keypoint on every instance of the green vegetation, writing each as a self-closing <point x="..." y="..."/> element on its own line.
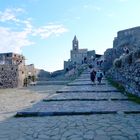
<point x="117" y="63"/>
<point x="129" y="58"/>
<point x="121" y="88"/>
<point x="133" y="97"/>
<point x="33" y="78"/>
<point x="137" y="53"/>
<point x="116" y="85"/>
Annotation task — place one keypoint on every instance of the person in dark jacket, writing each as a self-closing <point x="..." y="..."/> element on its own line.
<point x="93" y="75"/>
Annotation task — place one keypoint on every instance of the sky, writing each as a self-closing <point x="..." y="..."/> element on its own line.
<point x="43" y="30"/>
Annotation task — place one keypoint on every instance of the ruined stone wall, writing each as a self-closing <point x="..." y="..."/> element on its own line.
<point x="12" y="76"/>
<point x="126" y="70"/>
<point x="21" y="74"/>
<point x="8" y="76"/>
<point x="129" y="38"/>
<point x="109" y="57"/>
<point x="30" y="70"/>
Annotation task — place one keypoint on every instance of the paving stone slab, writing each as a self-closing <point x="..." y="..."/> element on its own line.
<point x="80" y="127"/>
<point x="96" y="88"/>
<point x="81" y="83"/>
<point x="88" y="79"/>
<point x="82" y="80"/>
<point x="83" y="107"/>
<point x="88" y="95"/>
<point x="84" y="84"/>
<point x="87" y="99"/>
<point x="52" y="82"/>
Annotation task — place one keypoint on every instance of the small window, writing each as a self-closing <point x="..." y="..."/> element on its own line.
<point x="2" y="69"/>
<point x="22" y="72"/>
<point x="12" y="68"/>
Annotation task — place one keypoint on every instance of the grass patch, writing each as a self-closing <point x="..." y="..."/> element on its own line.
<point x="121" y="88"/>
<point x="116" y="85"/>
<point x="133" y="97"/>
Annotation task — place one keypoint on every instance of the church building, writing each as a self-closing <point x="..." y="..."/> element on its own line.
<point x="78" y="56"/>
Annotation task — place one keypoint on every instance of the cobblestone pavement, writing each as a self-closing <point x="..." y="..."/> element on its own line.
<point x="111" y="126"/>
<point x="13" y="100"/>
<point x="91" y="127"/>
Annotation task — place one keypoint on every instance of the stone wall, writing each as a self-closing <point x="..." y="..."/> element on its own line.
<point x="126" y="70"/>
<point x="129" y="38"/>
<point x="11" y="76"/>
<point x="8" y="76"/>
<point x="109" y="57"/>
<point x="30" y="70"/>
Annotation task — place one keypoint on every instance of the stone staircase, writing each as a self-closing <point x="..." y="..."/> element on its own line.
<point x="82" y="97"/>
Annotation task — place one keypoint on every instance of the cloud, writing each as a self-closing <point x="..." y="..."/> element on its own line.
<point x="50" y="29"/>
<point x="10" y="14"/>
<point x="11" y="41"/>
<point x="17" y="35"/>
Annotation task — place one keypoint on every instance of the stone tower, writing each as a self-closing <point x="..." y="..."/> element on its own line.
<point x="75" y="44"/>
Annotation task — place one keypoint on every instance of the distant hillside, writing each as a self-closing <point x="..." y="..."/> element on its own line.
<point x="59" y="75"/>
<point x="42" y="74"/>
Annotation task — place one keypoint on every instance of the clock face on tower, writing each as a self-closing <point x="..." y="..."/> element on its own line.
<point x="75" y="46"/>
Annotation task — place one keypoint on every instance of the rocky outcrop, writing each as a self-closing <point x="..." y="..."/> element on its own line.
<point x="42" y="74"/>
<point x="126" y="70"/>
<point x="124" y="66"/>
<point x="129" y="38"/>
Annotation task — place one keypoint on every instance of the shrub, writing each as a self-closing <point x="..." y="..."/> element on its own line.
<point x="117" y="63"/>
<point x="136" y="54"/>
<point x="128" y="58"/>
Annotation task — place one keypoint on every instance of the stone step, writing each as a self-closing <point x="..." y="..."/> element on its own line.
<point x="87" y="79"/>
<point x="52" y="82"/>
<point x="88" y="95"/>
<point x="82" y="79"/>
<point x="87" y="99"/>
<point x="83" y="84"/>
<point x="43" y="114"/>
<point x="83" y="91"/>
<point x="96" y="88"/>
<point x="81" y="107"/>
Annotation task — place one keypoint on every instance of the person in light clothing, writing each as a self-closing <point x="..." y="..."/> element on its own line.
<point x="99" y="76"/>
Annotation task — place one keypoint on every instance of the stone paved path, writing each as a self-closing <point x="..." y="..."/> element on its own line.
<point x="84" y="99"/>
<point x="112" y="115"/>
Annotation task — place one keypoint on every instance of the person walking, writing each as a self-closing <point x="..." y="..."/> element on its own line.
<point x="99" y="76"/>
<point x="93" y="75"/>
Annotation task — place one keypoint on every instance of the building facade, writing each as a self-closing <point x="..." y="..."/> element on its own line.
<point x="78" y="56"/>
<point x="12" y="70"/>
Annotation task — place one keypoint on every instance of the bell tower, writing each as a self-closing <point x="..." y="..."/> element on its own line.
<point x="75" y="43"/>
